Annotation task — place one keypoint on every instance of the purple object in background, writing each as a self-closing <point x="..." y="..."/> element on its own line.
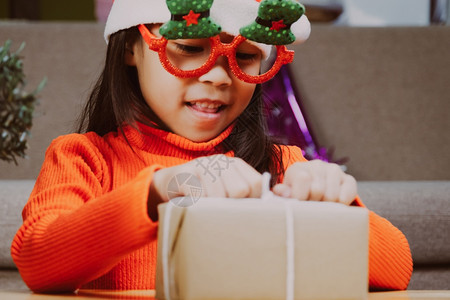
<point x="286" y="118"/>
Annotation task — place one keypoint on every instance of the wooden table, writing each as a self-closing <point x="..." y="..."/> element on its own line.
<point x="149" y="294"/>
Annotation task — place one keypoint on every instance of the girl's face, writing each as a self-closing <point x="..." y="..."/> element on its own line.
<point x="198" y="108"/>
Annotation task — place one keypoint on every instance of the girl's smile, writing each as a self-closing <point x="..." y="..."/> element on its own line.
<point x="206" y="109"/>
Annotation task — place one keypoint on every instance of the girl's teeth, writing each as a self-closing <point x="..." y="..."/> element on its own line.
<point x="207" y="105"/>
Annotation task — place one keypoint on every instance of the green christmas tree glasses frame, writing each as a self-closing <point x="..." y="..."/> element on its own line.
<point x="217" y="48"/>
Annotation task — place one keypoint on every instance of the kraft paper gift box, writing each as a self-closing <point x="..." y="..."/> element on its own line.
<point x="274" y="248"/>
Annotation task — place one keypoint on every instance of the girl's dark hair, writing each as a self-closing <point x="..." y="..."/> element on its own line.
<point x="116" y="99"/>
<point x="249" y="139"/>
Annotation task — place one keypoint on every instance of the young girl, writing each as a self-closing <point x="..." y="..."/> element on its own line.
<point x="162" y="108"/>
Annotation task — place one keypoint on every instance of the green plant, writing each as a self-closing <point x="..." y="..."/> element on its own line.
<point x="16" y="105"/>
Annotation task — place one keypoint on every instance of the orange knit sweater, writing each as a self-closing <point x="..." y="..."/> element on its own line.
<point x="86" y="222"/>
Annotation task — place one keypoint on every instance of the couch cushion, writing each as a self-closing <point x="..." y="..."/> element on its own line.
<point x="430" y="278"/>
<point x="14" y="194"/>
<point x="10" y="280"/>
<point x="420" y="209"/>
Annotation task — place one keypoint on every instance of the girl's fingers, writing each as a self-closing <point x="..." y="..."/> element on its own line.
<point x="334" y="178"/>
<point x="319" y="181"/>
<point x="348" y="190"/>
<point x="212" y="186"/>
<point x="300" y="185"/>
<point x="235" y="185"/>
<point x="304" y="181"/>
<point x="160" y="184"/>
<point x="253" y="179"/>
<point x="282" y="190"/>
<point x="317" y="188"/>
<point x="227" y="177"/>
<point x="242" y="181"/>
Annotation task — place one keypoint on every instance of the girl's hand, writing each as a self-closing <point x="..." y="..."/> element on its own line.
<point x="217" y="175"/>
<point x="319" y="181"/>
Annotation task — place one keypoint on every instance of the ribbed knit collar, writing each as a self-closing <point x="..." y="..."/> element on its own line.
<point x="147" y="138"/>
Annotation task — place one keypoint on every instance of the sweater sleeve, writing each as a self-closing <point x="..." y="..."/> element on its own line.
<point x="74" y="231"/>
<point x="390" y="261"/>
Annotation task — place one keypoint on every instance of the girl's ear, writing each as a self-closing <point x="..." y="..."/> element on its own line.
<point x="130" y="58"/>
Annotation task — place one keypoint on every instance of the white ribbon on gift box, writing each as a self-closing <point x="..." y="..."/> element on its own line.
<point x="265" y="195"/>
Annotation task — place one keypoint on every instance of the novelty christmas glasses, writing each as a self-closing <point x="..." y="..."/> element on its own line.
<point x="190" y="42"/>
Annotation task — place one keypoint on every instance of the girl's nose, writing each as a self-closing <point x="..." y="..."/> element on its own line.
<point x="219" y="75"/>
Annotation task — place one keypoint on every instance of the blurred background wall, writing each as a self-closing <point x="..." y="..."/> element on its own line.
<point x="341" y="12"/>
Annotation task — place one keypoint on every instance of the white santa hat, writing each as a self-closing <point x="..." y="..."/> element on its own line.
<point x="231" y="15"/>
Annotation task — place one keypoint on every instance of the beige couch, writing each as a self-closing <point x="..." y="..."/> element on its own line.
<point x="378" y="96"/>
